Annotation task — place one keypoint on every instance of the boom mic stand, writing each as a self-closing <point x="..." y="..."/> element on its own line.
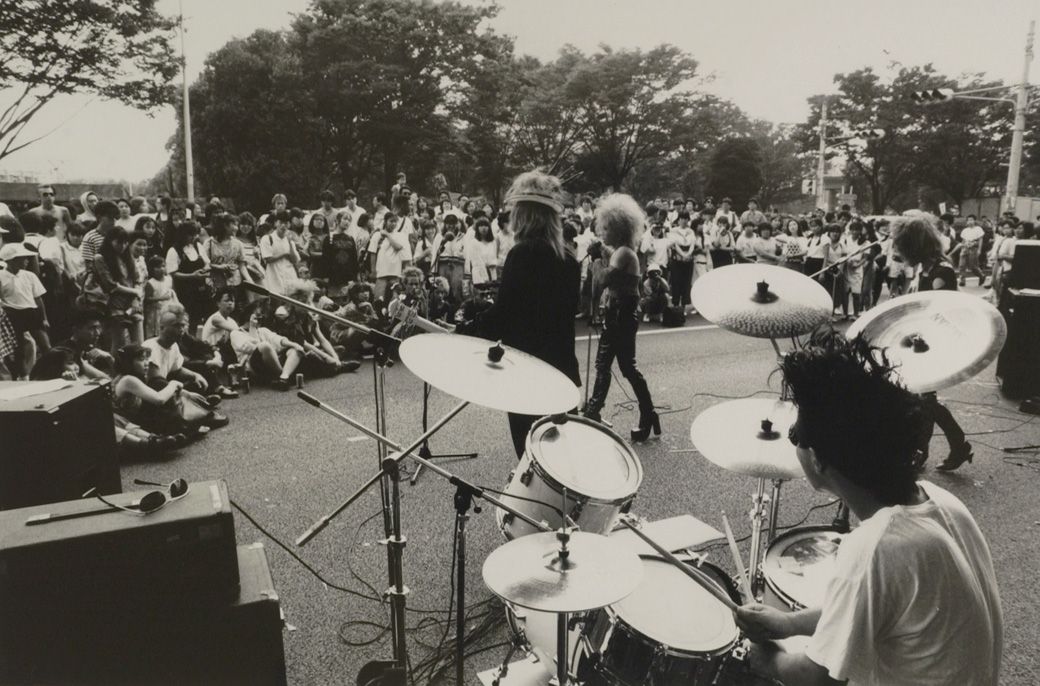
<point x="393" y="671"/>
<point x="424" y="449"/>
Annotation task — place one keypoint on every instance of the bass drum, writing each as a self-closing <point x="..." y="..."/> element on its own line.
<point x="669" y="631"/>
<point x="598" y="470"/>
<point x="798" y="566"/>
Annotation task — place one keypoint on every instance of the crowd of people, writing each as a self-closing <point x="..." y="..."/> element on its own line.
<point x="91" y="290"/>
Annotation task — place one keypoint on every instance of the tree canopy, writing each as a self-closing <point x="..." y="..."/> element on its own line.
<point x="115" y="49"/>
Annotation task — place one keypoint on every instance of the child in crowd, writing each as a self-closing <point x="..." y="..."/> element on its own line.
<point x="656" y="294"/>
<point x="21" y="294"/>
<point x="158" y="290"/>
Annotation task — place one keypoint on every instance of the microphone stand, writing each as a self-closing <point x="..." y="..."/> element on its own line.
<point x="393" y="671"/>
<point x="465" y="492"/>
<point x="424" y="449"/>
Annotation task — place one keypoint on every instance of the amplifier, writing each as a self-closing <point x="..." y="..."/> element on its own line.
<point x="81" y="549"/>
<point x="1025" y="267"/>
<point x="157" y="643"/>
<point x="56" y="444"/>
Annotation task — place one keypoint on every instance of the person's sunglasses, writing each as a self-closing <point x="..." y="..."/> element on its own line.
<point x="150" y="502"/>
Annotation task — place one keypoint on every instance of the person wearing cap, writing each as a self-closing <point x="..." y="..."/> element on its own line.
<point x="21" y="294"/>
<point x="539" y="287"/>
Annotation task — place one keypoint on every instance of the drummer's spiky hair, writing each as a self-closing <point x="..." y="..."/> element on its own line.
<point x="854" y="416"/>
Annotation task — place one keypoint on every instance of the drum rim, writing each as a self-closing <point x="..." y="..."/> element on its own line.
<point x="544" y="471"/>
<point x="615" y="618"/>
<point x="783" y="595"/>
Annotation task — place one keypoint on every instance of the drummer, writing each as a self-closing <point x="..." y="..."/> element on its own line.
<point x="914" y="597"/>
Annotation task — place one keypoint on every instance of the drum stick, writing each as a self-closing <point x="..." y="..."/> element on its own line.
<point x="697" y="575"/>
<point x="735" y="551"/>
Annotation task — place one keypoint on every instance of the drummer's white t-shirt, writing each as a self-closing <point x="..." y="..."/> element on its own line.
<point x="914" y="600"/>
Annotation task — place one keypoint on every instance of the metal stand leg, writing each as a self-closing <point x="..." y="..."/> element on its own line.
<point x="463" y="501"/>
<point x="395" y="555"/>
<point x="757" y="515"/>
<point x="561" y="648"/>
<point x="774" y="511"/>
<point x="424" y="450"/>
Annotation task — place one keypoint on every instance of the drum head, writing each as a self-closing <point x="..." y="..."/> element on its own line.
<point x="586" y="458"/>
<point x="673" y="609"/>
<point x="800" y="564"/>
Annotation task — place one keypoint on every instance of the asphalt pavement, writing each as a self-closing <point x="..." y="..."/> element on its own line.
<point x="287" y="464"/>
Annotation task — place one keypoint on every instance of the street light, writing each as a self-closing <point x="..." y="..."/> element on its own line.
<point x="821" y="161"/>
<point x="932" y="95"/>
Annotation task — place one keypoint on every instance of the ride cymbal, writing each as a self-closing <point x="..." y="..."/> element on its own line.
<point x="735" y="436"/>
<point x="529" y="572"/>
<point x="761" y="300"/>
<point x="936" y="339"/>
<point x="462" y="366"/>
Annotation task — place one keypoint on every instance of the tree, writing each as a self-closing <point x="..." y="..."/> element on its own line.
<point x="782" y="164"/>
<point x="115" y="49"/>
<point x="734" y="171"/>
<point x="630" y="103"/>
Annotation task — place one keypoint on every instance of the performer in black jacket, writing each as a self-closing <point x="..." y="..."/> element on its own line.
<point x="540" y="287"/>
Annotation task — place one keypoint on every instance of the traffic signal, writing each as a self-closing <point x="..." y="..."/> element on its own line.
<point x="932" y="95"/>
<point x="808" y="186"/>
<point x="869" y="134"/>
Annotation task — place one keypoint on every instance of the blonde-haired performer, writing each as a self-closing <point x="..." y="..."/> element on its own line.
<point x="540" y="287"/>
<point x="620" y="222"/>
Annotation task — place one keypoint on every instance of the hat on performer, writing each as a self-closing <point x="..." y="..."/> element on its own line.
<point x="536" y="187"/>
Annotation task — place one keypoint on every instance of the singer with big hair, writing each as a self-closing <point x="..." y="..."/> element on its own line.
<point x="621" y="221"/>
<point x="539" y="287"/>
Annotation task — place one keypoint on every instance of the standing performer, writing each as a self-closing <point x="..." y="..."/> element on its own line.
<point x="914" y="597"/>
<point x="539" y="289"/>
<point x="918" y="243"/>
<point x="619" y="218"/>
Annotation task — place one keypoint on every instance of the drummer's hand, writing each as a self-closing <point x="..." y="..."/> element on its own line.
<point x="762" y="623"/>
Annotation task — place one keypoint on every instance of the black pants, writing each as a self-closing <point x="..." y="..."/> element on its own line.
<point x="812" y="265"/>
<point x="937" y="414"/>
<point x="620" y="324"/>
<point x="680" y="278"/>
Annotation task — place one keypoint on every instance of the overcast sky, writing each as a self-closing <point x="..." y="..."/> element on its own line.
<point x="767" y="56"/>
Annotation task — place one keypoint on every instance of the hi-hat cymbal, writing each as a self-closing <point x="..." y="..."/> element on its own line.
<point x="529" y="572"/>
<point x="734" y="436"/>
<point x="761" y="300"/>
<point x="461" y="366"/>
<point x="936" y="339"/>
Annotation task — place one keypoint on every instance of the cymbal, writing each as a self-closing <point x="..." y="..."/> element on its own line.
<point x="528" y="572"/>
<point x="788" y="304"/>
<point x="518" y="382"/>
<point x="937" y="339"/>
<point x="733" y="436"/>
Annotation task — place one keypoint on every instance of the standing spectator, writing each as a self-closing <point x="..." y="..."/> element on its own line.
<point x="752" y="213"/>
<point x="815" y="247"/>
<point x="451" y="258"/>
<point x="115" y="276"/>
<point x="125" y="220"/>
<point x="855" y="267"/>
<point x="147" y="226"/>
<point x="971" y="244"/>
<point x="351" y="206"/>
<point x="315" y="235"/>
<point x="505" y="239"/>
<point x="481" y="253"/>
<point x="389" y="250"/>
<point x="379" y="209"/>
<point x="745" y="244"/>
<point x="327" y="198"/>
<point x="428" y="246"/>
<point x="60" y="215"/>
<point x="61" y="268"/>
<point x="21" y="294"/>
<point x="655" y="245"/>
<point x="833" y="278"/>
<point x="158" y="291"/>
<point x="767" y="250"/>
<point x="187" y="263"/>
<point x="107" y="213"/>
<point x="721" y="242"/>
<point x="725" y="210"/>
<point x="250" y="247"/>
<point x="279" y="255"/>
<point x="680" y="260"/>
<point x="793" y="245"/>
<point x="226" y="257"/>
<point x="88" y="201"/>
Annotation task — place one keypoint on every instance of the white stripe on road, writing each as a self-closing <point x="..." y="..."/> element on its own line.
<point x="655" y="332"/>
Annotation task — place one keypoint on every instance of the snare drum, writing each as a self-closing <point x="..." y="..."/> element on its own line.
<point x="798" y="566"/>
<point x="668" y="631"/>
<point x="598" y="469"/>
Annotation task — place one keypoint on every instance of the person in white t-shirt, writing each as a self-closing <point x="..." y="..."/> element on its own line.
<point x="913" y="600"/>
<point x="971" y="244"/>
<point x="389" y="250"/>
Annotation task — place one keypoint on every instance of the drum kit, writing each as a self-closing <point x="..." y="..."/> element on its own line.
<point x="583" y="603"/>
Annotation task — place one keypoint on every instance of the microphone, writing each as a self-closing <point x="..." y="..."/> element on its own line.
<point x="308" y="398"/>
<point x="255" y="288"/>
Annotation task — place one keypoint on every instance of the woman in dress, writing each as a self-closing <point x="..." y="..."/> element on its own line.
<point x="186" y="263"/>
<point x="620" y="222"/>
<point x="279" y="255"/>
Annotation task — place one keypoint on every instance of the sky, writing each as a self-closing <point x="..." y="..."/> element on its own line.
<point x="766" y="56"/>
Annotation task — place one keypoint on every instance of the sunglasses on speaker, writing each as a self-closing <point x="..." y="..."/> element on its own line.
<point x="153" y="500"/>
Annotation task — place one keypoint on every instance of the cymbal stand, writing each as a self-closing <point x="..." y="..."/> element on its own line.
<point x="424" y="449"/>
<point x="463" y="500"/>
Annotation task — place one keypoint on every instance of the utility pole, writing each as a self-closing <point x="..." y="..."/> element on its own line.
<point x="821" y="162"/>
<point x="1021" y="102"/>
<point x="189" y="175"/>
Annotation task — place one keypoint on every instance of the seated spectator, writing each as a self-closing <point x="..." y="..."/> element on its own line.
<point x="266" y="354"/>
<point x="167" y="364"/>
<point x="320" y="357"/>
<point x="411" y="302"/>
<point x="216" y="332"/>
<point x="441" y="305"/>
<point x="166" y="408"/>
<point x="93" y="362"/>
<point x="21" y="294"/>
<point x="656" y="294"/>
<point x="359" y="308"/>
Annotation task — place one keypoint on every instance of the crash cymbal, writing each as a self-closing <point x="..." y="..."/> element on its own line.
<point x="461" y="366"/>
<point x="761" y="300"/>
<point x="529" y="572"/>
<point x="734" y="436"/>
<point x="936" y="339"/>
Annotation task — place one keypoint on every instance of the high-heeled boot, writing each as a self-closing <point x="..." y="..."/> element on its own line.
<point x="647" y="420"/>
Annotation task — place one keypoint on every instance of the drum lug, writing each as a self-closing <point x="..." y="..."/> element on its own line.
<point x="575" y="512"/>
<point x="525" y="478"/>
<point x="507" y="518"/>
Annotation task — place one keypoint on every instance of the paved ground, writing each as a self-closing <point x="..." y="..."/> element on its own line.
<point x="287" y="463"/>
